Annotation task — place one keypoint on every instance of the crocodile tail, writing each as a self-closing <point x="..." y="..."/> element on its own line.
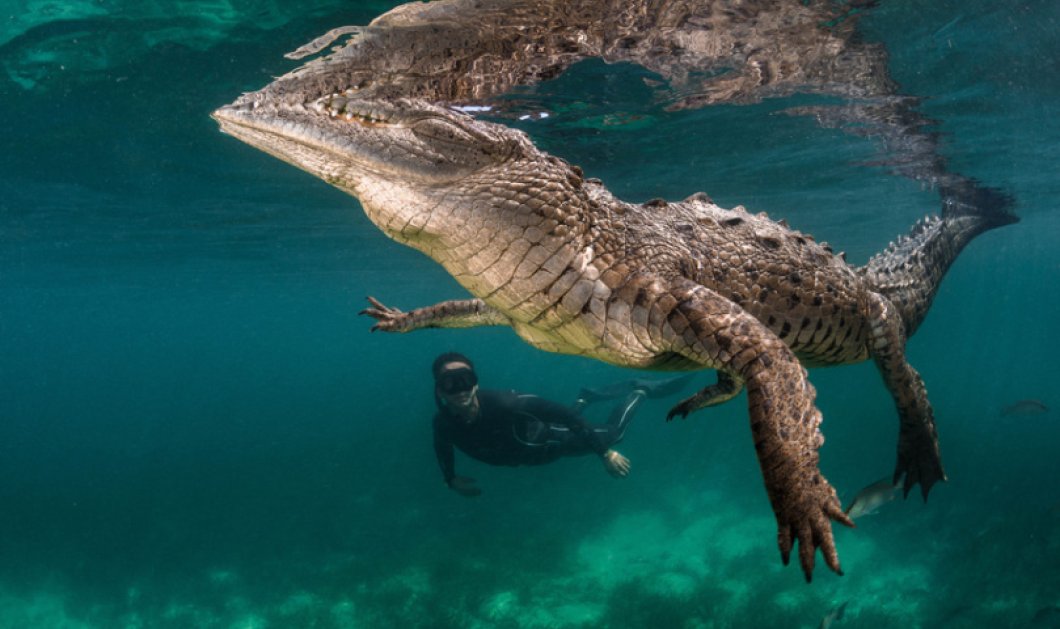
<point x="909" y="271"/>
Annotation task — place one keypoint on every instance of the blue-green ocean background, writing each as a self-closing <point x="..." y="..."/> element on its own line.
<point x="198" y="430"/>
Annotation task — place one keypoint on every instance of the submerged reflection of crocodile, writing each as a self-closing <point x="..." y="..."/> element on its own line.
<point x="572" y="269"/>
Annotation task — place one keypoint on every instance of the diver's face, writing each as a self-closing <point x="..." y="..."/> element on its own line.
<point x="458" y="386"/>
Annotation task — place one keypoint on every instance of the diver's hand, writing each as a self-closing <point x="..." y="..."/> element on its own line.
<point x="465" y="486"/>
<point x="616" y="464"/>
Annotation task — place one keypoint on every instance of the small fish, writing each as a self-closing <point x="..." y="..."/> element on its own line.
<point x="1025" y="407"/>
<point x="833" y="616"/>
<point x="871" y="498"/>
<point x="1048" y="616"/>
<point x="945" y="28"/>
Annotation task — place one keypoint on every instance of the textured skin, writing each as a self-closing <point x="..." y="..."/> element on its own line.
<point x="705" y="52"/>
<point x="663" y="285"/>
<point x="712" y="50"/>
<point x="683" y="285"/>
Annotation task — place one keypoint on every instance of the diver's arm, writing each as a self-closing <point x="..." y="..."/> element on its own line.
<point x="443" y="449"/>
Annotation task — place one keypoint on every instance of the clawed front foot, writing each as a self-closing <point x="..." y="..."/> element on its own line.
<point x="683" y="408"/>
<point x="803" y="515"/>
<point x="387" y="319"/>
<point x="727" y="387"/>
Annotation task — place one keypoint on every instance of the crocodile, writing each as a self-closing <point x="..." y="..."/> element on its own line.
<point x="660" y="285"/>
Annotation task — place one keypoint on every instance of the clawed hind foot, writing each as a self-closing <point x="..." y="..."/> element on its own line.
<point x="919" y="462"/>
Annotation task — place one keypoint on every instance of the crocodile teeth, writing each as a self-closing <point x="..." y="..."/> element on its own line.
<point x="348" y="109"/>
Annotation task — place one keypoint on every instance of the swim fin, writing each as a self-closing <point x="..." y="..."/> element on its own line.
<point x="651" y="388"/>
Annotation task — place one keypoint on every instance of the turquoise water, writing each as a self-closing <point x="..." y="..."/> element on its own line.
<point x="198" y="430"/>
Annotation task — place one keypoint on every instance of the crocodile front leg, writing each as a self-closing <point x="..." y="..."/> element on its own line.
<point x="716" y="333"/>
<point x="728" y="386"/>
<point x="462" y="313"/>
<point x="918" y="440"/>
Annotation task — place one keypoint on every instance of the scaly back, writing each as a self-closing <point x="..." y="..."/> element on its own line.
<point x="910" y="270"/>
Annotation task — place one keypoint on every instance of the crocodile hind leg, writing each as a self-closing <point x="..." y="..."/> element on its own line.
<point x="919" y="460"/>
<point x="714" y="332"/>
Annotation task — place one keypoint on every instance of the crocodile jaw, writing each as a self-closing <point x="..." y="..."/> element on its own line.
<point x="399" y="158"/>
<point x="348" y="142"/>
<point x="289" y="135"/>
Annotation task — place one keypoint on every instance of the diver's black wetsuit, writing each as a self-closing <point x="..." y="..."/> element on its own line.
<point x="517" y="429"/>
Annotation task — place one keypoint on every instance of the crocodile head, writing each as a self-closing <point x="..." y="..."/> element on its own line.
<point x="356" y="144"/>
<point x="403" y="159"/>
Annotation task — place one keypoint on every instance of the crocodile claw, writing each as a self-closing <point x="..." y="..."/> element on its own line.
<point x="805" y="519"/>
<point x="387" y="319"/>
<point x="725" y="389"/>
<point x="921" y="466"/>
<point x="682" y="408"/>
<point x="919" y="460"/>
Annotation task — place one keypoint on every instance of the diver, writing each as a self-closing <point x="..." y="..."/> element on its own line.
<point x="511" y="428"/>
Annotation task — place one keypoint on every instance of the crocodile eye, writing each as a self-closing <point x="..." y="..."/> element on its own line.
<point x="443" y="130"/>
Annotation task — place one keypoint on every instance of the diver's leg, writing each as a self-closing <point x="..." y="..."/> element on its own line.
<point x="652" y="388"/>
<point x="622" y="414"/>
<point x="614" y="429"/>
<point x="580" y="404"/>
